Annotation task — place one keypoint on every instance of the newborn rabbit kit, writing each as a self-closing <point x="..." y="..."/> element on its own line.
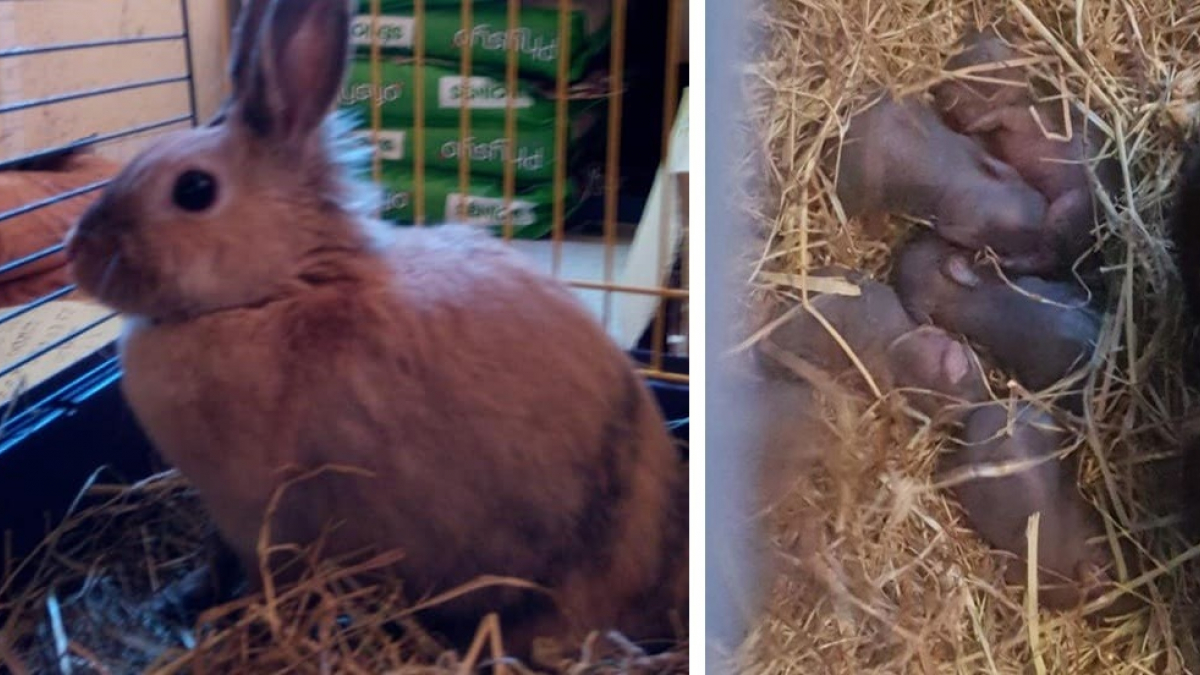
<point x="383" y="456"/>
<point x="990" y="168"/>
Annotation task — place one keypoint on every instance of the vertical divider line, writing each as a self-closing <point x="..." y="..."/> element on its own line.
<point x="464" y="111"/>
<point x="685" y="248"/>
<point x="560" y="139"/>
<point x="613" y="159"/>
<point x="376" y="97"/>
<point x="510" y="118"/>
<point x="419" y="113"/>
<point x="670" y="100"/>
<point x="685" y="303"/>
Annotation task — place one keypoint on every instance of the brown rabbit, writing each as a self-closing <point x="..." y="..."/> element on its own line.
<point x="481" y="419"/>
<point x="899" y="157"/>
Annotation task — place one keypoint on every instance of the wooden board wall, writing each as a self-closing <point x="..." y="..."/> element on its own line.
<point x="30" y="24"/>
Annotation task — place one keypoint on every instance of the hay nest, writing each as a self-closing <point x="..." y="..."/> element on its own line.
<point x="890" y="579"/>
<point x="91" y="600"/>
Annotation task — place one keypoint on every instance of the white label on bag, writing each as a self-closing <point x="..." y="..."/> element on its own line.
<point x="391" y="143"/>
<point x="392" y="31"/>
<point x="483" y="93"/>
<point x="489" y="210"/>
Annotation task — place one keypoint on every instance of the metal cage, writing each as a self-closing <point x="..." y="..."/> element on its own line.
<point x="60" y="427"/>
<point x="671" y="291"/>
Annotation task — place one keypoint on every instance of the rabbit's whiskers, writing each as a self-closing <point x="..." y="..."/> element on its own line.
<point x="106" y="277"/>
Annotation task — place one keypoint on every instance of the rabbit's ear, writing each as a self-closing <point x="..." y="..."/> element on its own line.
<point x="245" y="37"/>
<point x="293" y="71"/>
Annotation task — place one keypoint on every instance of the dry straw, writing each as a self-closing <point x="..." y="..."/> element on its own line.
<point x="889" y="579"/>
<point x="90" y="600"/>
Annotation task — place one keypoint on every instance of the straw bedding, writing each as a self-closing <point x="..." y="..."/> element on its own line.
<point x="875" y="569"/>
<point x="96" y="598"/>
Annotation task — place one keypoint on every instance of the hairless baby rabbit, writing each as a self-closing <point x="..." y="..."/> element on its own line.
<point x="417" y="389"/>
<point x="1075" y="563"/>
<point x="1038" y="330"/>
<point x="932" y="368"/>
<point x="990" y="85"/>
<point x="1034" y="140"/>
<point x="792" y="434"/>
<point x="898" y="156"/>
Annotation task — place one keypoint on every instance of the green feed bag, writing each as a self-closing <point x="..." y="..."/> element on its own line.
<point x="535" y="37"/>
<point x="485" y="148"/>
<point x="532" y="206"/>
<point x="443" y="96"/>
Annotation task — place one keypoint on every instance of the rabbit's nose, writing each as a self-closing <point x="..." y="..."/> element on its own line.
<point x="90" y="227"/>
<point x="74" y="242"/>
<point x="96" y="218"/>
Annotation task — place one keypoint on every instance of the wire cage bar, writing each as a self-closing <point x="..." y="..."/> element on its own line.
<point x="27" y="399"/>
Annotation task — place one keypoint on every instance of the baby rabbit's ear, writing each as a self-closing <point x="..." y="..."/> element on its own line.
<point x="287" y="72"/>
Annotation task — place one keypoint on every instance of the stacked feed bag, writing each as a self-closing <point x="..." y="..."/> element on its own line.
<point x="486" y="147"/>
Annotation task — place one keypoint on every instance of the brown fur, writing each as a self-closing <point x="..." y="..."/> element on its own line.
<point x="898" y="156"/>
<point x="277" y="332"/>
<point x="1071" y="569"/>
<point x="941" y="284"/>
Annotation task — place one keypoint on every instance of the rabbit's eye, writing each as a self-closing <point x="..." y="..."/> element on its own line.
<point x="195" y="190"/>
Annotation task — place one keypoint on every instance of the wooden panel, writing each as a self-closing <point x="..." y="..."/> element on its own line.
<point x="31" y="24"/>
